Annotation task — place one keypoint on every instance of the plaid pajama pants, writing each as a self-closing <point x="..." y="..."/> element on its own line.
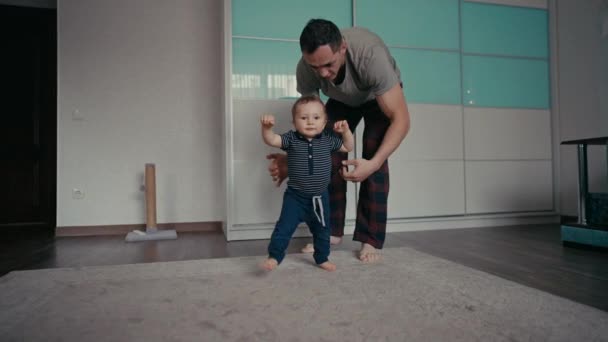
<point x="370" y="225"/>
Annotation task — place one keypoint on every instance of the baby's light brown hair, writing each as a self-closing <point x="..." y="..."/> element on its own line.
<point x="304" y="100"/>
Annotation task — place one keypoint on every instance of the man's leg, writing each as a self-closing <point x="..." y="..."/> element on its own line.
<point x="370" y="228"/>
<point x="337" y="188"/>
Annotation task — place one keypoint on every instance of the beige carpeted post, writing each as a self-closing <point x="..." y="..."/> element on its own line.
<point x="150" y="180"/>
<point x="152" y="232"/>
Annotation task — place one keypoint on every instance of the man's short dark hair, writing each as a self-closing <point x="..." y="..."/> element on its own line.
<point x="318" y="32"/>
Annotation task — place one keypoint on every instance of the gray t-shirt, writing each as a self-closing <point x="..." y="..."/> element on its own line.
<point x="370" y="71"/>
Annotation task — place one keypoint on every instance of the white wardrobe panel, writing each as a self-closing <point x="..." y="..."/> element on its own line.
<point x="435" y="133"/>
<point x="508" y="186"/>
<point x="256" y="199"/>
<point x="505" y="133"/>
<point x="352" y="189"/>
<point x="426" y="188"/>
<point x="248" y="143"/>
<point x="521" y="3"/>
<point x="351" y="201"/>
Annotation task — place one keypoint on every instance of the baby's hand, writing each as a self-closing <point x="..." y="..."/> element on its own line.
<point x="267" y="120"/>
<point x="340" y="126"/>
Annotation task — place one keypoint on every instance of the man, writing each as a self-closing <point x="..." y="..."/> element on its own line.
<point x="354" y="68"/>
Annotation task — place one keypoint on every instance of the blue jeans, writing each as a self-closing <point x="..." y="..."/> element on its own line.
<point x="299" y="207"/>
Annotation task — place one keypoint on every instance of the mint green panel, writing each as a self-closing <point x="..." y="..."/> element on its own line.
<point x="412" y="23"/>
<point x="429" y="76"/>
<point x="504" y="30"/>
<point x="505" y="82"/>
<point x="578" y="235"/>
<point x="600" y="238"/>
<point x="264" y="69"/>
<point x="285" y="19"/>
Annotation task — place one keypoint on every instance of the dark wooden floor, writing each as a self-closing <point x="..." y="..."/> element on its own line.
<point x="529" y="255"/>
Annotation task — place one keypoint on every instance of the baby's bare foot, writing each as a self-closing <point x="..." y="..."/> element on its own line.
<point x="333" y="240"/>
<point x="369" y="254"/>
<point x="269" y="264"/>
<point x="328" y="266"/>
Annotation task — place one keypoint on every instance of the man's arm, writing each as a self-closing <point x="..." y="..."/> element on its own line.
<point x="393" y="104"/>
<point x="277" y="167"/>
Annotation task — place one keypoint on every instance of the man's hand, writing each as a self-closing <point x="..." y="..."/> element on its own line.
<point x="277" y="167"/>
<point x="363" y="168"/>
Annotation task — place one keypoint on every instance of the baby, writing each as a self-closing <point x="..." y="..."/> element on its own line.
<point x="309" y="163"/>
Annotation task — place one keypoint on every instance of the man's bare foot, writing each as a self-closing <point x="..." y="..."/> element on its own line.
<point x="369" y="254"/>
<point x="333" y="240"/>
<point x="309" y="248"/>
<point x="328" y="266"/>
<point x="269" y="264"/>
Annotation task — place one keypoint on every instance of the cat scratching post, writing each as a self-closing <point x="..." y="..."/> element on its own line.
<point x="152" y="232"/>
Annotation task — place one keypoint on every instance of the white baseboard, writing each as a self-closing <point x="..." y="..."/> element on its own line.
<point x="257" y="232"/>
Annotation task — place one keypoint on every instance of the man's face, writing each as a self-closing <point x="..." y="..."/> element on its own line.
<point x="325" y="62"/>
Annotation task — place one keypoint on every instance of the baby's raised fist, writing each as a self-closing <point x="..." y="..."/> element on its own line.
<point x="267" y="120"/>
<point x="340" y="126"/>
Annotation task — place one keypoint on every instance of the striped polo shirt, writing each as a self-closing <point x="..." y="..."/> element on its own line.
<point x="309" y="162"/>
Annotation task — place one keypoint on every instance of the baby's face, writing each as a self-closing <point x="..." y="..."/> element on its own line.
<point x="310" y="119"/>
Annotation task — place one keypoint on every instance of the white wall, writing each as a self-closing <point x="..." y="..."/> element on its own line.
<point x="145" y="78"/>
<point x="583" y="92"/>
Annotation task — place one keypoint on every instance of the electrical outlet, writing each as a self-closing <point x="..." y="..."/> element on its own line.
<point x="77" y="193"/>
<point x="77" y="115"/>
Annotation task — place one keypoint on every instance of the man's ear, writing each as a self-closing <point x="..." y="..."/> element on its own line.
<point x="343" y="46"/>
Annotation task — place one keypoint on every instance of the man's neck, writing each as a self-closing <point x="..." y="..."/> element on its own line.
<point x="341" y="74"/>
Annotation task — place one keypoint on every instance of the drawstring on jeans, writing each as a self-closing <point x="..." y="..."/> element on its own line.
<point x="318" y="204"/>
